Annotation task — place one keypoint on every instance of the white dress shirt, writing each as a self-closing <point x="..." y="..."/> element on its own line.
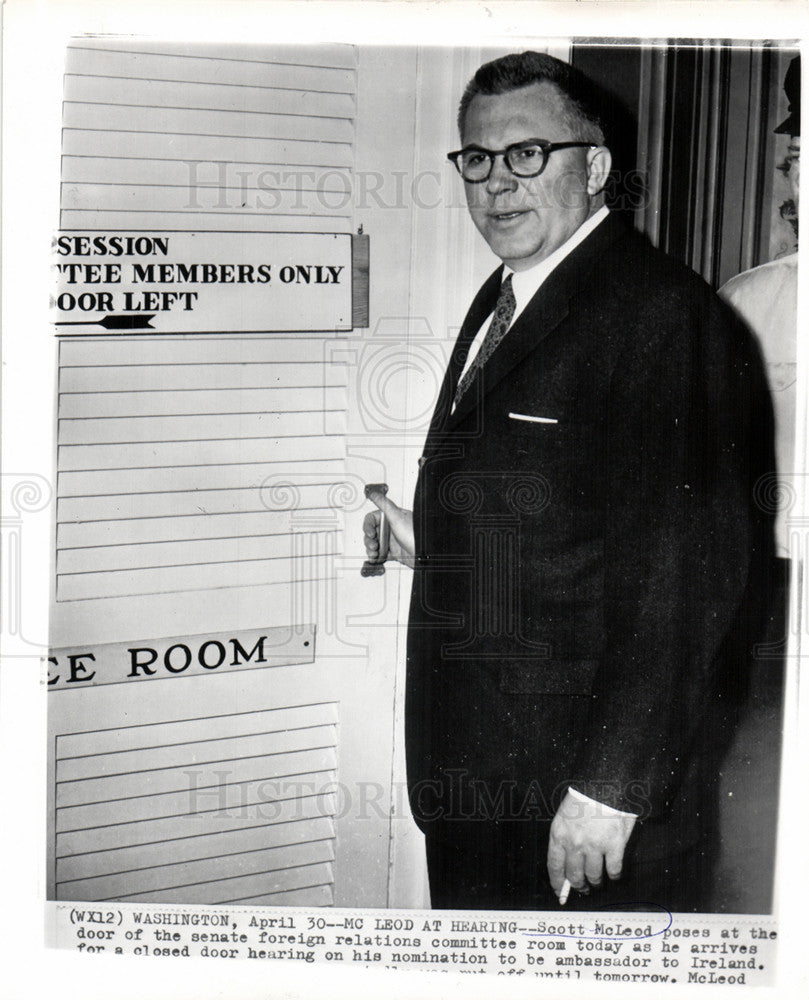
<point x="767" y="299"/>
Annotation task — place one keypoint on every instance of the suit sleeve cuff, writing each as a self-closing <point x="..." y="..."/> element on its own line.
<point x="607" y="809"/>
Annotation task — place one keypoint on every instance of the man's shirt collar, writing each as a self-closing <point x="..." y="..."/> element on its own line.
<point x="525" y="284"/>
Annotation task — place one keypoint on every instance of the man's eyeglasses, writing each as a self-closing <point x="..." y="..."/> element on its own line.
<point x="523" y="159"/>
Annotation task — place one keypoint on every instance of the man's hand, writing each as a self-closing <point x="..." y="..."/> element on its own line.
<point x="585" y="837"/>
<point x="402" y="540"/>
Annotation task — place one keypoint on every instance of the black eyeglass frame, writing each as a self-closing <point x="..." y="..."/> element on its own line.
<point x="545" y="145"/>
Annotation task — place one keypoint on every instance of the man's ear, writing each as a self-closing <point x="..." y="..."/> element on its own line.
<point x="599" y="164"/>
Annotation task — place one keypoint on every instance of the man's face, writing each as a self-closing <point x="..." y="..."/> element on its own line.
<point x="794" y="161"/>
<point x="525" y="219"/>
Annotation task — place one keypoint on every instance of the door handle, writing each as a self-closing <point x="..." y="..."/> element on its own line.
<point x="376" y="567"/>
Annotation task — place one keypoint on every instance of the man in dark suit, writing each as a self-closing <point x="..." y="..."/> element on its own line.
<point x="584" y="535"/>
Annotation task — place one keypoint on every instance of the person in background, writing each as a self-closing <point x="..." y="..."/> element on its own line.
<point x="766" y="298"/>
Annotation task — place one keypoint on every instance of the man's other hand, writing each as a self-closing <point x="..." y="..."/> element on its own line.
<point x="585" y="838"/>
<point x="402" y="541"/>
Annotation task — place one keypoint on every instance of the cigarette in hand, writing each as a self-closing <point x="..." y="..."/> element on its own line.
<point x="565" y="892"/>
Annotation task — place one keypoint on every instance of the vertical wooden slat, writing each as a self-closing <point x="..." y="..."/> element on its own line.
<point x="761" y="182"/>
<point x="360" y="275"/>
<point x="651" y="133"/>
<point x="750" y="205"/>
<point x="712" y="83"/>
<point x="700" y="165"/>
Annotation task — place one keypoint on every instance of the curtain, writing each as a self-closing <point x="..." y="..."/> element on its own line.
<point x="705" y="154"/>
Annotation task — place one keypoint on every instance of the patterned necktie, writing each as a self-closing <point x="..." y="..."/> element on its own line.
<point x="501" y="320"/>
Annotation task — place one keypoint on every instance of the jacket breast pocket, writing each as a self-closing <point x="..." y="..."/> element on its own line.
<point x="569" y="444"/>
<point x="552" y="677"/>
<point x="568" y="454"/>
<point x="549" y="431"/>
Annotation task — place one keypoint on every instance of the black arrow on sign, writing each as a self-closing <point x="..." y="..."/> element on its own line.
<point x="123" y="322"/>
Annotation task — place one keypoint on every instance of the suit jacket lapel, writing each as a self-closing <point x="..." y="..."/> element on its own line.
<point x="482" y="305"/>
<point x="542" y="315"/>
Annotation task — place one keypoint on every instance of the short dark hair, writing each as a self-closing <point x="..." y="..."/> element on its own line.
<point x="583" y="104"/>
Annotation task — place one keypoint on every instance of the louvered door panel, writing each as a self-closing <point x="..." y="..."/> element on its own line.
<point x="203" y="808"/>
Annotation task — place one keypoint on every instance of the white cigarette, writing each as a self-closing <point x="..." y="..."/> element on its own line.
<point x="565" y="892"/>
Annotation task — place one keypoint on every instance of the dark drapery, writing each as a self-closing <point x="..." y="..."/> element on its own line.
<point x="695" y="146"/>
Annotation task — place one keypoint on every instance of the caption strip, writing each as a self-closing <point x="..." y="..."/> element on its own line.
<point x="628" y="948"/>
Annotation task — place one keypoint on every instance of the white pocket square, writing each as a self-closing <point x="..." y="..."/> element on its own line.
<point x="533" y="420"/>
